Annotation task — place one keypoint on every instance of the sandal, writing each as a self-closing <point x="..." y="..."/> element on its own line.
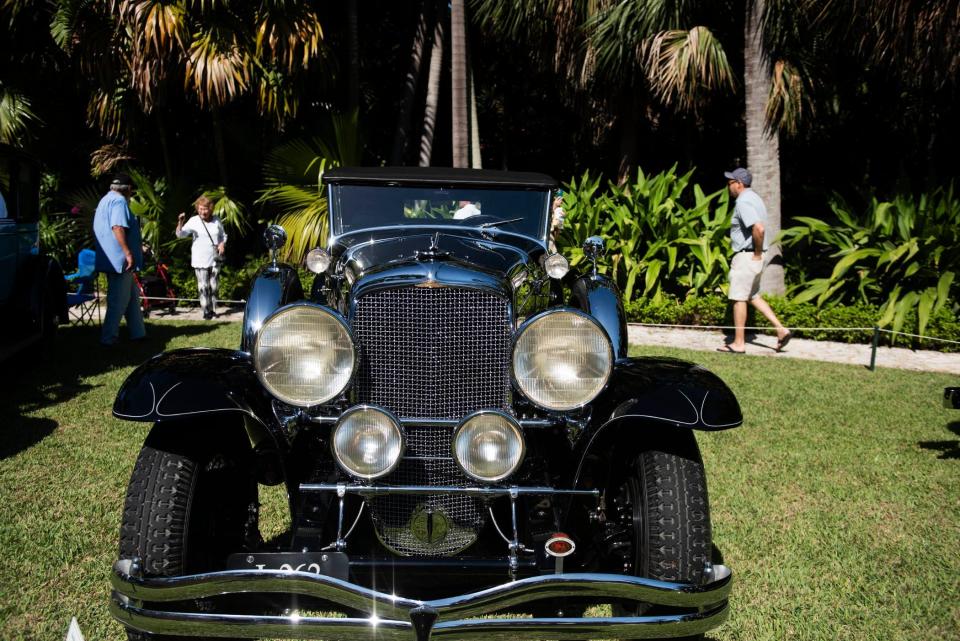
<point x="781" y="343"/>
<point x="729" y="350"/>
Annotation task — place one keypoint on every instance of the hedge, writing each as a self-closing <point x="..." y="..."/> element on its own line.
<point x="714" y="310"/>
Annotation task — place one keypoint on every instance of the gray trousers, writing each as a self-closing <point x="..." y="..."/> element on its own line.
<point x="207" y="285"/>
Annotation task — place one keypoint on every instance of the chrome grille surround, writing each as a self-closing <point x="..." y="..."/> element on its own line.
<point x="431" y="352"/>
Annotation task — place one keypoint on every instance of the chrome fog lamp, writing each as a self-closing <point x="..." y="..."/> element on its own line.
<point x="562" y="359"/>
<point x="367" y="442"/>
<point x="304" y="354"/>
<point x="318" y="260"/>
<point x="488" y="445"/>
<point x="556" y="266"/>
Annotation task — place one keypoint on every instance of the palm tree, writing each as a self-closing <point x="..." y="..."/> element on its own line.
<point x="140" y="52"/>
<point x="293" y="176"/>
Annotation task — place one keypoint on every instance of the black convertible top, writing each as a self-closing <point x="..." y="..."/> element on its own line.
<point x="437" y="176"/>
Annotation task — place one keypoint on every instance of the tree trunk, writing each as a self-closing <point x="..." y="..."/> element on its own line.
<point x="629" y="124"/>
<point x="433" y="92"/>
<point x="353" y="63"/>
<point x="476" y="161"/>
<point x="401" y="138"/>
<point x="763" y="144"/>
<point x="458" y="84"/>
<point x="219" y="147"/>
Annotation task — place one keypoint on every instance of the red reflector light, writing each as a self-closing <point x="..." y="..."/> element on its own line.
<point x="560" y="544"/>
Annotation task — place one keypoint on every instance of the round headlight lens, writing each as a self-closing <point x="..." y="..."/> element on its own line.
<point x="488" y="446"/>
<point x="562" y="360"/>
<point x="367" y="442"/>
<point x="556" y="266"/>
<point x="304" y="355"/>
<point x="318" y="260"/>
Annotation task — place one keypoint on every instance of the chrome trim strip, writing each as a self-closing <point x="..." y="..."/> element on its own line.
<point x="445" y="422"/>
<point x="380" y="490"/>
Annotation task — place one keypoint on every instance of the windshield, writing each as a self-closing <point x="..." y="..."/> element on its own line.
<point x="520" y="211"/>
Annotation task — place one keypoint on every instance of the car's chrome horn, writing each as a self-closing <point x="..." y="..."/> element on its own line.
<point x="594" y="248"/>
<point x="274" y="237"/>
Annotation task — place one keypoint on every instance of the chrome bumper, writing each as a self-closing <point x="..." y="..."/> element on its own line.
<point x="393" y="618"/>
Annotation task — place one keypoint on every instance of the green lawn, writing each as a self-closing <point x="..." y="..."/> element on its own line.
<point x="837" y="504"/>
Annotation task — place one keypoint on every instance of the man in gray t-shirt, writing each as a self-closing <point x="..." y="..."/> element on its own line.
<point x="749" y="243"/>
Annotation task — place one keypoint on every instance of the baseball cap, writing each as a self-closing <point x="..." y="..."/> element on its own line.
<point x="122" y="180"/>
<point x="741" y="175"/>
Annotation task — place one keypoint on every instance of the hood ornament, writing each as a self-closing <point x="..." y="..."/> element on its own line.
<point x="433" y="252"/>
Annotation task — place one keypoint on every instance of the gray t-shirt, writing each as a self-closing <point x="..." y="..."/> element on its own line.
<point x="748" y="211"/>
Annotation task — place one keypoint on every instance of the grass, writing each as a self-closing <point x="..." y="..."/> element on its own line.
<point x="837" y="504"/>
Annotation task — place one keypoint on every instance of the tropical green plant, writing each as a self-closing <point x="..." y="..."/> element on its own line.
<point x="293" y="174"/>
<point x="16" y="116"/>
<point x="899" y="255"/>
<point x="663" y="235"/>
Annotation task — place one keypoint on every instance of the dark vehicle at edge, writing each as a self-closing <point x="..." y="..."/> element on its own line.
<point x="32" y="291"/>
<point x="459" y="429"/>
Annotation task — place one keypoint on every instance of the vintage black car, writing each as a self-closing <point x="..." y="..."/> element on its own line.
<point x="461" y="433"/>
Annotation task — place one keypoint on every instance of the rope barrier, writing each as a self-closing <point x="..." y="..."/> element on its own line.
<point x="875" y="342"/>
<point x="191" y="300"/>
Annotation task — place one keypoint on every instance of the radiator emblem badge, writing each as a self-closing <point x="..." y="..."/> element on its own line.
<point x="429" y="525"/>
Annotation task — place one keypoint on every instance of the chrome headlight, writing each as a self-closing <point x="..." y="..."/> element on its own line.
<point x="562" y="359"/>
<point x="318" y="260"/>
<point x="367" y="442"/>
<point x="304" y="355"/>
<point x="488" y="445"/>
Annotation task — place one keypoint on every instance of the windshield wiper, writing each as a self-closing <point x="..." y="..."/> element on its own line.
<point x="497" y="223"/>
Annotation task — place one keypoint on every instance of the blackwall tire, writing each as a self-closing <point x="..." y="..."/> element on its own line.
<point x="662" y="501"/>
<point x="187" y="507"/>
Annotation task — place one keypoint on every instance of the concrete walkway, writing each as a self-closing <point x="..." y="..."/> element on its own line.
<point x="710" y="340"/>
<point x="765" y="345"/>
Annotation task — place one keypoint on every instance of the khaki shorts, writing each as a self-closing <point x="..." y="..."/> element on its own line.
<point x="745" y="276"/>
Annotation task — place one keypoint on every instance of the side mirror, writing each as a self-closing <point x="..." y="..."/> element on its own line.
<point x="274" y="237"/>
<point x="594" y="248"/>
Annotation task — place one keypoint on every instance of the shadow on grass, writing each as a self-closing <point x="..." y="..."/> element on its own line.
<point x="55" y="373"/>
<point x="947" y="449"/>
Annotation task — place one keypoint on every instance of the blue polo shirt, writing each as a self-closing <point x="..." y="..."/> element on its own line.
<point x="113" y="211"/>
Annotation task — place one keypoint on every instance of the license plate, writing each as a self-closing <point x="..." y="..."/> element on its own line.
<point x="333" y="564"/>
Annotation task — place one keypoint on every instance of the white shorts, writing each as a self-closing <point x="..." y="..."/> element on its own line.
<point x="745" y="276"/>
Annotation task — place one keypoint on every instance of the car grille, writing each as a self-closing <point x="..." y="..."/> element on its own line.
<point x="427" y="461"/>
<point x="433" y="352"/>
<point x="437" y="353"/>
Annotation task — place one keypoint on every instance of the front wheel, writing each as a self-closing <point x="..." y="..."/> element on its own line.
<point x="189" y="504"/>
<point x="660" y="516"/>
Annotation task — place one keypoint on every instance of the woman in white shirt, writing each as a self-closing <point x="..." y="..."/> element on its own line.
<point x="206" y="253"/>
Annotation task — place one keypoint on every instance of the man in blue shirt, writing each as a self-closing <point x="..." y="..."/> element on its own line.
<point x="117" y="241"/>
<point x="750" y="245"/>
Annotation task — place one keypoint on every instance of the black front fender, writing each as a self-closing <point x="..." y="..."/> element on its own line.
<point x="670" y="392"/>
<point x="195" y="382"/>
<point x="649" y="397"/>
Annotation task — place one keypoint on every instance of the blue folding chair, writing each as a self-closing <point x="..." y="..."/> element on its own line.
<point x="83" y="295"/>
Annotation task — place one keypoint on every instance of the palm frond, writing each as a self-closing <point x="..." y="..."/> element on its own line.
<point x="684" y="66"/>
<point x="288" y="34"/>
<point x="790" y="100"/>
<point x="217" y="67"/>
<point x="16" y="117"/>
<point x="106" y="158"/>
<point x="106" y="111"/>
<point x="228" y="210"/>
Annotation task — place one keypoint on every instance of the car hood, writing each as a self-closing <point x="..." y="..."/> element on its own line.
<point x="497" y="255"/>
